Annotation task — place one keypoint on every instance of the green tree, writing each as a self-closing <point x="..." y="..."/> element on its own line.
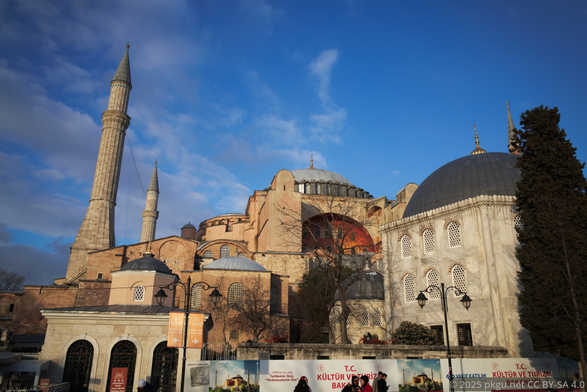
<point x="413" y="334"/>
<point x="552" y="203"/>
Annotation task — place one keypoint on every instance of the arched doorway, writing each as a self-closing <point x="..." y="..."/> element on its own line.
<point x="78" y="365"/>
<point x="164" y="370"/>
<point x="123" y="355"/>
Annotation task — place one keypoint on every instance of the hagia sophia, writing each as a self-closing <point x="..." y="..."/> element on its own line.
<point x="457" y="227"/>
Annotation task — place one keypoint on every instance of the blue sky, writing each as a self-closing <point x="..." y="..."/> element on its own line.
<point x="226" y="93"/>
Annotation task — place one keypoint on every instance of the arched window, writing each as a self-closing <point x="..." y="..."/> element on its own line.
<point x="241" y="254"/>
<point x="365" y="318"/>
<point x="139" y="294"/>
<point x="301" y="188"/>
<point x="224" y="251"/>
<point x="196" y="297"/>
<point x="377" y="318"/>
<point x="78" y="365"/>
<point x="275" y="300"/>
<point x="428" y="236"/>
<point x="458" y="278"/>
<point x="124" y="354"/>
<point x="454" y="235"/>
<point x="208" y="255"/>
<point x="164" y="369"/>
<point x="432" y="277"/>
<point x="518" y="223"/>
<point x="406" y="246"/>
<point x="236" y="294"/>
<point x="410" y="288"/>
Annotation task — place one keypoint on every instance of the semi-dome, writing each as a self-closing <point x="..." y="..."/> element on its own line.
<point x="319" y="175"/>
<point x="235" y="263"/>
<point x="368" y="286"/>
<point x="146" y="263"/>
<point x="491" y="174"/>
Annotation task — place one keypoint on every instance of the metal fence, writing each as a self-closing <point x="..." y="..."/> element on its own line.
<point x="219" y="351"/>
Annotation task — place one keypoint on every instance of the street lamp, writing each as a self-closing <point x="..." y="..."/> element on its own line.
<point x="466" y="301"/>
<point x="187" y="288"/>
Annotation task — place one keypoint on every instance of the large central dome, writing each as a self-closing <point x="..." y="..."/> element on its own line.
<point x="470" y="176"/>
<point x="319" y="175"/>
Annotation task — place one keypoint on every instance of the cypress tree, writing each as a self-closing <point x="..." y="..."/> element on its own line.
<point x="552" y="203"/>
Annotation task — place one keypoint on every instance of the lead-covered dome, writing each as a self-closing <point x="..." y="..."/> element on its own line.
<point x="234" y="263"/>
<point x="319" y="175"/>
<point x="470" y="176"/>
<point x="146" y="263"/>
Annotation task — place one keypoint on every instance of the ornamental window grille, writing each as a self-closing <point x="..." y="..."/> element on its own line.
<point x="241" y="254"/>
<point x="196" y="297"/>
<point x="458" y="278"/>
<point x="377" y="318"/>
<point x="438" y="334"/>
<point x="316" y="231"/>
<point x="428" y="241"/>
<point x="124" y="354"/>
<point x="348" y="320"/>
<point x="224" y="251"/>
<point x="365" y="318"/>
<point x="139" y="294"/>
<point x="164" y="369"/>
<point x="78" y="365"/>
<point x="236" y="295"/>
<point x="410" y="288"/>
<point x="208" y="255"/>
<point x="454" y="235"/>
<point x="406" y="241"/>
<point x="275" y="300"/>
<point x="432" y="277"/>
<point x="518" y="222"/>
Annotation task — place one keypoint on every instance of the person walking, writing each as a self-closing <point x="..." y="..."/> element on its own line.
<point x="144" y="386"/>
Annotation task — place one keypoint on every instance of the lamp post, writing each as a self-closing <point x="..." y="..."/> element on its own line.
<point x="466" y="301"/>
<point x="187" y="288"/>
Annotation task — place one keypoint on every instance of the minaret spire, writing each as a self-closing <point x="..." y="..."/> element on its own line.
<point x="511" y="128"/>
<point x="97" y="229"/>
<point x="150" y="214"/>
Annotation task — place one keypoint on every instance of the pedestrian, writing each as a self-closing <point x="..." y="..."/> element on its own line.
<point x="353" y="386"/>
<point x="365" y="387"/>
<point x="144" y="386"/>
<point x="382" y="383"/>
<point x="302" y="385"/>
<point x="376" y="381"/>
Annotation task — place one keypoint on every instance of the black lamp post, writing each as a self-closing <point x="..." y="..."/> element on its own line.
<point x="466" y="301"/>
<point x="187" y="287"/>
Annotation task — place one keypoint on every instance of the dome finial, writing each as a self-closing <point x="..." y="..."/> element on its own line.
<point x="312" y="161"/>
<point x="148" y="252"/>
<point x="127" y="45"/>
<point x="478" y="149"/>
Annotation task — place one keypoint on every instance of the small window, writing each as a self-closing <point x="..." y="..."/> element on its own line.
<point x="100" y="276"/>
<point x="323" y="357"/>
<point x="410" y="288"/>
<point x="365" y="318"/>
<point x="428" y="241"/>
<point x="208" y="254"/>
<point x="432" y="277"/>
<point x="454" y="235"/>
<point x="224" y="251"/>
<point x="458" y="278"/>
<point x="276" y="356"/>
<point x="301" y="188"/>
<point x="11" y="308"/>
<point x="139" y="294"/>
<point x="196" y="297"/>
<point x="275" y="300"/>
<point x="236" y="295"/>
<point x="464" y="334"/>
<point x="406" y="241"/>
<point x="377" y="318"/>
<point x="241" y="254"/>
<point x="438" y="333"/>
<point x="369" y="357"/>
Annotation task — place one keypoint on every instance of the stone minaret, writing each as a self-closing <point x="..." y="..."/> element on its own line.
<point x="151" y="214"/>
<point x="511" y="137"/>
<point x="97" y="229"/>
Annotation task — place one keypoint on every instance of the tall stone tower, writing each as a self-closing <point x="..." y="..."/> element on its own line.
<point x="97" y="229"/>
<point x="151" y="214"/>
